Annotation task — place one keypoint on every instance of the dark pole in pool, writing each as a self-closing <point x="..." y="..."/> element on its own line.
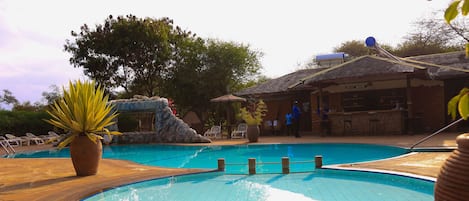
<point x="252" y="165"/>
<point x="318" y="161"/>
<point x="221" y="164"/>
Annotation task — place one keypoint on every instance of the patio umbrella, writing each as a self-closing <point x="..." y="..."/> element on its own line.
<point x="228" y="98"/>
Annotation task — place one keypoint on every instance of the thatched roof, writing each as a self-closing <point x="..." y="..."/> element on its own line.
<point x="435" y="66"/>
<point x="444" y="65"/>
<point x="278" y="85"/>
<point x="363" y="66"/>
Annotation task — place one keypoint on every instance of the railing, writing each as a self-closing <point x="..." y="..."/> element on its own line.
<point x="285" y="164"/>
<point x="435" y="133"/>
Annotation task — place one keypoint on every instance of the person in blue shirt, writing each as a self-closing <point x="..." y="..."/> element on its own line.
<point x="296" y="119"/>
<point x="288" y="122"/>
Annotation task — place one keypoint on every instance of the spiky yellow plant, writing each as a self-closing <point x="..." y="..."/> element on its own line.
<point x="83" y="110"/>
<point x="254" y="117"/>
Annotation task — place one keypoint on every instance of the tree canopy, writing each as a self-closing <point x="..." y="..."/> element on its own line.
<point x="154" y="57"/>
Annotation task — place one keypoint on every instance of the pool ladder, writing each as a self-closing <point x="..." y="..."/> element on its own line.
<point x="435" y="133"/>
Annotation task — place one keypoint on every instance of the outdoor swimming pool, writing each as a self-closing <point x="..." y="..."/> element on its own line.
<point x="306" y="182"/>
<point x="326" y="185"/>
<point x="236" y="156"/>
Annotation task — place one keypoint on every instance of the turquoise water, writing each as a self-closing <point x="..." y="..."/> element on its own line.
<point x="236" y="157"/>
<point x="327" y="185"/>
<point x="235" y="184"/>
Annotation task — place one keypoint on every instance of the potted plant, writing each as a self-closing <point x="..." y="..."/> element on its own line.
<point x="83" y="113"/>
<point x="453" y="179"/>
<point x="253" y="118"/>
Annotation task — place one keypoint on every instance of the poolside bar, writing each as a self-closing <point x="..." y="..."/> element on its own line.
<point x="374" y="122"/>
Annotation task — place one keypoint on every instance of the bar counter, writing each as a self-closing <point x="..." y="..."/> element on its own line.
<point x="376" y="122"/>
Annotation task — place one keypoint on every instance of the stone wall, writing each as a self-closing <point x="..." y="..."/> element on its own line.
<point x="168" y="127"/>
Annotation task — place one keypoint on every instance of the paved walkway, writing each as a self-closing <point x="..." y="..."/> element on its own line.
<point x="54" y="179"/>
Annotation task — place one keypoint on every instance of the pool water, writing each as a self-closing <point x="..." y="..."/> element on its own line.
<point x="321" y="184"/>
<point x="236" y="157"/>
<point x="306" y="182"/>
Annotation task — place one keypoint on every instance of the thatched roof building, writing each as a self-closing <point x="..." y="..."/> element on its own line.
<point x="419" y="85"/>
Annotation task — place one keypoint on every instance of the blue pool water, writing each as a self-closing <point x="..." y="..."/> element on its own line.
<point x="307" y="183"/>
<point x="236" y="157"/>
<point x="322" y="184"/>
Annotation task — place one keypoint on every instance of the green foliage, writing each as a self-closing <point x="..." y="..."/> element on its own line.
<point x="7" y="97"/>
<point x="21" y="122"/>
<point x="126" y="52"/>
<point x="459" y="104"/>
<point x="253" y="116"/>
<point x="455" y="8"/>
<point x="83" y="110"/>
<point x="154" y="57"/>
<point x="207" y="70"/>
<point x="353" y="48"/>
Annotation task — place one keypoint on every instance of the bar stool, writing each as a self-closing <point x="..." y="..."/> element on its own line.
<point x="373" y="123"/>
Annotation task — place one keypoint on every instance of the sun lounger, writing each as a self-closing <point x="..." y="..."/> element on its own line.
<point x="214" y="132"/>
<point x="5" y="143"/>
<point x="240" y="131"/>
<point x="34" y="138"/>
<point x="16" y="141"/>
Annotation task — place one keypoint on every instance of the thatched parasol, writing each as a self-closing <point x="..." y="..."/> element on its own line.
<point x="228" y="98"/>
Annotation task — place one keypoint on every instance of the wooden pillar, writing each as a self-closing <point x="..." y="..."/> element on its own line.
<point x="410" y="111"/>
<point x="221" y="164"/>
<point x="252" y="165"/>
<point x="320" y="104"/>
<point x="409" y="97"/>
<point x="318" y="161"/>
<point x="285" y="165"/>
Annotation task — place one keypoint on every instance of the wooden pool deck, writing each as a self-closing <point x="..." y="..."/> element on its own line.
<point x="54" y="179"/>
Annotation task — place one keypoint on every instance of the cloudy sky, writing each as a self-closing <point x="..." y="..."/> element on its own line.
<point x="32" y="33"/>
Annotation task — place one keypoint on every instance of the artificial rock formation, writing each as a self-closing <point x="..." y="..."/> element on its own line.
<point x="168" y="127"/>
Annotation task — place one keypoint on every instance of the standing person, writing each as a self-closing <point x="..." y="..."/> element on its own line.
<point x="296" y="119"/>
<point x="288" y="122"/>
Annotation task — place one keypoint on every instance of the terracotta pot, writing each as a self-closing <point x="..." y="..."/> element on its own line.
<point x="453" y="180"/>
<point x="85" y="155"/>
<point x="253" y="133"/>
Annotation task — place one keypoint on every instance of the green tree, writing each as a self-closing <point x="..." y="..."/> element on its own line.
<point x="353" y="48"/>
<point x="154" y="57"/>
<point x="49" y="97"/>
<point x="207" y="69"/>
<point x="430" y="35"/>
<point x="8" y="98"/>
<point x="127" y="52"/>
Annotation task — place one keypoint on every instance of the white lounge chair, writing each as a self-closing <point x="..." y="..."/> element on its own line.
<point x="5" y="143"/>
<point x="53" y="137"/>
<point x="240" y="131"/>
<point x="16" y="141"/>
<point x="214" y="132"/>
<point x="34" y="138"/>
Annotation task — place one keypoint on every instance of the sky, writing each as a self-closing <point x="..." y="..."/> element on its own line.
<point x="288" y="33"/>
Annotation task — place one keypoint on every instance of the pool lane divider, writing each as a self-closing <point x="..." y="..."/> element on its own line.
<point x="285" y="164"/>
